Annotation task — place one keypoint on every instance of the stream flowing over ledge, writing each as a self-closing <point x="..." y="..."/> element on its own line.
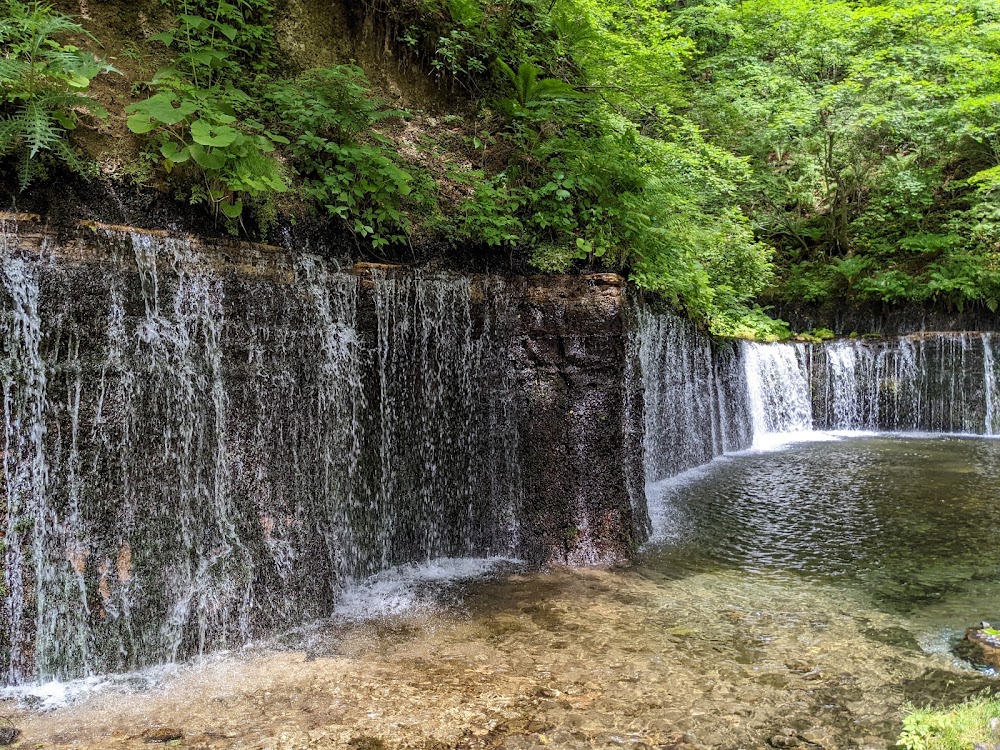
<point x="207" y="441"/>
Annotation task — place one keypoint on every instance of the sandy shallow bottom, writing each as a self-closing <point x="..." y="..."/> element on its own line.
<point x="563" y="659"/>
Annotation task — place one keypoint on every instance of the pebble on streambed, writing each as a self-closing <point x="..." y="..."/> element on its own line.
<point x="162" y="735"/>
<point x="8" y="735"/>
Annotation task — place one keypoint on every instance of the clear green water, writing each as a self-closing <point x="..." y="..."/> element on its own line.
<point x="910" y="525"/>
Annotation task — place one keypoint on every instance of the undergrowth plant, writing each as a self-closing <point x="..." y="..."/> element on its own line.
<point x="199" y="118"/>
<point x="43" y="87"/>
<point x="961" y="727"/>
<point x="347" y="170"/>
<point x="229" y="35"/>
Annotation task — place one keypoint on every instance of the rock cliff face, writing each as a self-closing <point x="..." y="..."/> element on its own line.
<point x="883" y="319"/>
<point x="581" y="456"/>
<point x="207" y="440"/>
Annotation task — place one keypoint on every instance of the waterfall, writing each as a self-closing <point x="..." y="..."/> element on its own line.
<point x="25" y="467"/>
<point x="929" y="382"/>
<point x="194" y="458"/>
<point x="778" y="384"/>
<point x="442" y="457"/>
<point x="705" y="398"/>
<point x="198" y="452"/>
<point x="695" y="395"/>
<point x="989" y="385"/>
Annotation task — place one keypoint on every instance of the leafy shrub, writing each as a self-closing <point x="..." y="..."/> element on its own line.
<point x="222" y="36"/>
<point x="232" y="153"/>
<point x="751" y="323"/>
<point x="199" y="119"/>
<point x="328" y="115"/>
<point x="491" y="216"/>
<point x="888" y="286"/>
<point x="459" y="40"/>
<point x="43" y="85"/>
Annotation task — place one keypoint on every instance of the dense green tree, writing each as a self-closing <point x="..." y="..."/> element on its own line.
<point x="872" y="131"/>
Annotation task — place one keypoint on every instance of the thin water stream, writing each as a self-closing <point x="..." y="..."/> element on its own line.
<point x="807" y="594"/>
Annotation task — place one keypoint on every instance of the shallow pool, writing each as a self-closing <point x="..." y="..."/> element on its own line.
<point x="797" y="598"/>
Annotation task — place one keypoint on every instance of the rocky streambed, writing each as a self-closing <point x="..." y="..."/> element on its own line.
<point x="567" y="659"/>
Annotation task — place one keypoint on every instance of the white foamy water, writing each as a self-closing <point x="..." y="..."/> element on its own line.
<point x="412" y="588"/>
<point x="403" y="590"/>
<point x="56" y="694"/>
<point x="778" y="384"/>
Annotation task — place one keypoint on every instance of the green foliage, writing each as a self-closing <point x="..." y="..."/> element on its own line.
<point x="219" y="39"/>
<point x="957" y="728"/>
<point x="712" y="150"/>
<point x="491" y="217"/>
<point x="597" y="171"/>
<point x="534" y="97"/>
<point x="199" y="121"/>
<point x="202" y="129"/>
<point x="328" y="114"/>
<point x="872" y="131"/>
<point x="43" y="85"/>
<point x="460" y="40"/>
<point x="751" y="323"/>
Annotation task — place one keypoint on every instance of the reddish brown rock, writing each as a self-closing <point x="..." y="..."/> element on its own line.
<point x="980" y="647"/>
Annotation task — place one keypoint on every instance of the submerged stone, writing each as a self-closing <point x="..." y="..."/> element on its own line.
<point x="8" y="735"/>
<point x="894" y="636"/>
<point x="981" y="647"/>
<point x="159" y="735"/>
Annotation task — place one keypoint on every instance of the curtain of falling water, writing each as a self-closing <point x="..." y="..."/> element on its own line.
<point x="932" y="382"/>
<point x="431" y="364"/>
<point x="194" y="458"/>
<point x="695" y="395"/>
<point x="704" y="398"/>
<point x="777" y="376"/>
<point x="24" y="387"/>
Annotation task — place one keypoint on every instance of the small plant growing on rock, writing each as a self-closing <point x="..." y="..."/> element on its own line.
<point x="197" y="115"/>
<point x="346" y="167"/>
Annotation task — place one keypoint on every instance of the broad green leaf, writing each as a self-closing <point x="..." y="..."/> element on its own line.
<point x="227" y="31"/>
<point x="165" y="38"/>
<point x="195" y="22"/>
<point x="78" y="81"/>
<point x="140" y="124"/>
<point x="213" y="135"/>
<point x="206" y="159"/>
<point x="160" y="108"/>
<point x="175" y="153"/>
<point x="232" y="210"/>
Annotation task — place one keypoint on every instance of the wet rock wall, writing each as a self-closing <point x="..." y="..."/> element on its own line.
<point x="207" y="441"/>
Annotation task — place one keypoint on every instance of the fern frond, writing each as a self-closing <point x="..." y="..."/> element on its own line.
<point x="51" y="24"/>
<point x="67" y="154"/>
<point x="39" y="129"/>
<point x="66" y="100"/>
<point x="77" y="62"/>
<point x="42" y="83"/>
<point x="10" y="136"/>
<point x="13" y="72"/>
<point x="27" y="169"/>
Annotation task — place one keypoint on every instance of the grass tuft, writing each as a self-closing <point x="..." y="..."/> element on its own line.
<point x="960" y="727"/>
